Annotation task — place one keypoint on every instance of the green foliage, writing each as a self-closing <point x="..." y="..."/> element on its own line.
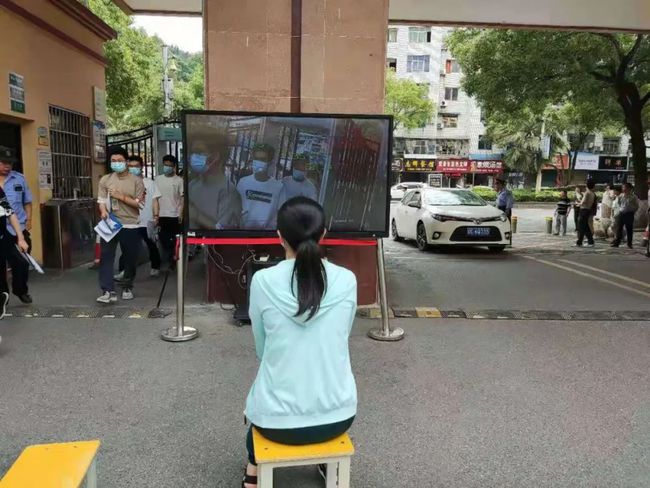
<point x="407" y="102"/>
<point x="134" y="73"/>
<point x="605" y="77"/>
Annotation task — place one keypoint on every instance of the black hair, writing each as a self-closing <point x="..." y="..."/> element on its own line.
<point x="118" y="151"/>
<point x="170" y="158"/>
<point x="138" y="158"/>
<point x="591" y="184"/>
<point x="301" y="222"/>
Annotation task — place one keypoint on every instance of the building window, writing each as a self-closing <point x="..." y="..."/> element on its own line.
<point x="70" y="142"/>
<point x="452" y="147"/>
<point x="484" y="143"/>
<point x="391" y="63"/>
<point x="452" y="66"/>
<point x="417" y="64"/>
<point x="612" y="145"/>
<point x="419" y="35"/>
<point x="450" y="121"/>
<point x="392" y="34"/>
<point x="451" y="94"/>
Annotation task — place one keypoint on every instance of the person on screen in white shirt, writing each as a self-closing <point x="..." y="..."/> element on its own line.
<point x="171" y="206"/>
<point x="213" y="198"/>
<point x="298" y="185"/>
<point x="260" y="194"/>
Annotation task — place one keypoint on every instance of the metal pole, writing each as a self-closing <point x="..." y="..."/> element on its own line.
<point x="180" y="333"/>
<point x="384" y="333"/>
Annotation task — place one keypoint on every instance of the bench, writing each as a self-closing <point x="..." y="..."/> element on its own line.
<point x="65" y="465"/>
<point x="336" y="454"/>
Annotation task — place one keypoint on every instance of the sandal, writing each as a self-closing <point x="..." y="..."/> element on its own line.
<point x="249" y="480"/>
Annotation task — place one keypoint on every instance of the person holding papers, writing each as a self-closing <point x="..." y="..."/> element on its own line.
<point x="9" y="247"/>
<point x="119" y="199"/>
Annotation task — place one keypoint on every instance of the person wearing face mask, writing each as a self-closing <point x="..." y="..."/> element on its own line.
<point x="171" y="206"/>
<point x="260" y="194"/>
<point x="120" y="194"/>
<point x="148" y="220"/>
<point x="214" y="200"/>
<point x="298" y="185"/>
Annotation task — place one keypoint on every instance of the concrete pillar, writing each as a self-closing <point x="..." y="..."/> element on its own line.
<point x="297" y="55"/>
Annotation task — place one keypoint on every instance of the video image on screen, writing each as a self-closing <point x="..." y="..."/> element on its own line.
<point x="242" y="168"/>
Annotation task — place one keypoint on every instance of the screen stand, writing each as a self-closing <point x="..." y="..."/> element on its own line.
<point x="180" y="333"/>
<point x="385" y="333"/>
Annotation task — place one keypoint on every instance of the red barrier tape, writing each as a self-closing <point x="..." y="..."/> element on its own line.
<point x="224" y="241"/>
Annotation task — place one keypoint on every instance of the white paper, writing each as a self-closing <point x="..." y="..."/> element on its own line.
<point x="107" y="229"/>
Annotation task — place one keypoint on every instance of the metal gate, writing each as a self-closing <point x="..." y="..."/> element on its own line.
<point x="144" y="142"/>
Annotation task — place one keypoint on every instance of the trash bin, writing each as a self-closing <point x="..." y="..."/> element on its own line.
<point x="513" y="224"/>
<point x="549" y="225"/>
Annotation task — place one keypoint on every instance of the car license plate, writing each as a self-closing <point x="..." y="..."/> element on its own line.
<point x="478" y="231"/>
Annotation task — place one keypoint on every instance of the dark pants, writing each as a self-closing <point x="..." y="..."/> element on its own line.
<point x="583" y="226"/>
<point x="298" y="437"/>
<point x="19" y="266"/>
<point x="625" y="220"/>
<point x="154" y="255"/>
<point x="129" y="241"/>
<point x="170" y="227"/>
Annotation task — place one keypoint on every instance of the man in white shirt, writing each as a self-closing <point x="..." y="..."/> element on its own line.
<point x="298" y="185"/>
<point x="170" y="186"/>
<point x="260" y="194"/>
<point x="148" y="221"/>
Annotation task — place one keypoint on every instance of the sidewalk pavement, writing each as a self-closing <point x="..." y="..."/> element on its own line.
<point x="457" y="403"/>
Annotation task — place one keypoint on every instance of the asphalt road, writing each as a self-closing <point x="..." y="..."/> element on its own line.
<point x="458" y="403"/>
<point x="540" y="272"/>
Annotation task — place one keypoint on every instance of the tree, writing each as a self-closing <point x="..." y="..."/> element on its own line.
<point x="507" y="69"/>
<point x="407" y="102"/>
<point x="134" y="73"/>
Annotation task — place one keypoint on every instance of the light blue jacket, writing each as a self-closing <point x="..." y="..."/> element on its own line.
<point x="305" y="378"/>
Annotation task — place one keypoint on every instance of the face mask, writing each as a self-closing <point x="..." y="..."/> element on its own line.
<point x="167" y="170"/>
<point x="298" y="175"/>
<point x="135" y="171"/>
<point x="259" y="166"/>
<point x="118" y="166"/>
<point x="198" y="162"/>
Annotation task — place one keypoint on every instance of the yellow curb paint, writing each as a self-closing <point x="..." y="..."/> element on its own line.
<point x="427" y="313"/>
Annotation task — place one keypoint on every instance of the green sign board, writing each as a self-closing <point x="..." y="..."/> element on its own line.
<point x="169" y="134"/>
<point x="17" y="106"/>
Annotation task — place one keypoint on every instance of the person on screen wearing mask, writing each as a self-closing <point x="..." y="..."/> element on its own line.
<point x="213" y="198"/>
<point x="260" y="194"/>
<point x="171" y="206"/>
<point x="121" y="194"/>
<point x="298" y="185"/>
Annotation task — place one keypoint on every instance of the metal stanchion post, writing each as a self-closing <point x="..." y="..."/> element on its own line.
<point x="385" y="333"/>
<point x="180" y="333"/>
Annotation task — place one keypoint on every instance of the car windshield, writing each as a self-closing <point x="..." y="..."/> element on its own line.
<point x="453" y="198"/>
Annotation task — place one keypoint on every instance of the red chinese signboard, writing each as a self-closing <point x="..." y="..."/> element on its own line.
<point x="453" y="166"/>
<point x="486" y="167"/>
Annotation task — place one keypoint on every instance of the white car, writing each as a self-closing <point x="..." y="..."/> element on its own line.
<point x="444" y="217"/>
<point x="398" y="191"/>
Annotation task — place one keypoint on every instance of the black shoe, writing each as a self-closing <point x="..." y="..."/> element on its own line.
<point x="25" y="298"/>
<point x="4" y="299"/>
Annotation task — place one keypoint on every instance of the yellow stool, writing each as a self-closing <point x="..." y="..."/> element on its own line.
<point x="336" y="453"/>
<point x="54" y="466"/>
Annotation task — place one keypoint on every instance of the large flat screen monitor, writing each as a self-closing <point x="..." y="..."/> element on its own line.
<point x="241" y="167"/>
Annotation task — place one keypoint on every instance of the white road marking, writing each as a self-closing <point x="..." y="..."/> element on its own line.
<point x="608" y="273"/>
<point x="590" y="276"/>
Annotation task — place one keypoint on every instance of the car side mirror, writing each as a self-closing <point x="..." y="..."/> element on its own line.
<point x="415" y="205"/>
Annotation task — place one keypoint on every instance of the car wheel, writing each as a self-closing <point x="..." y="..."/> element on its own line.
<point x="497" y="248"/>
<point x="393" y="229"/>
<point x="421" y="237"/>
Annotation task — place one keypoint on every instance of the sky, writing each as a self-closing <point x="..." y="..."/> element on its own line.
<point x="184" y="32"/>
